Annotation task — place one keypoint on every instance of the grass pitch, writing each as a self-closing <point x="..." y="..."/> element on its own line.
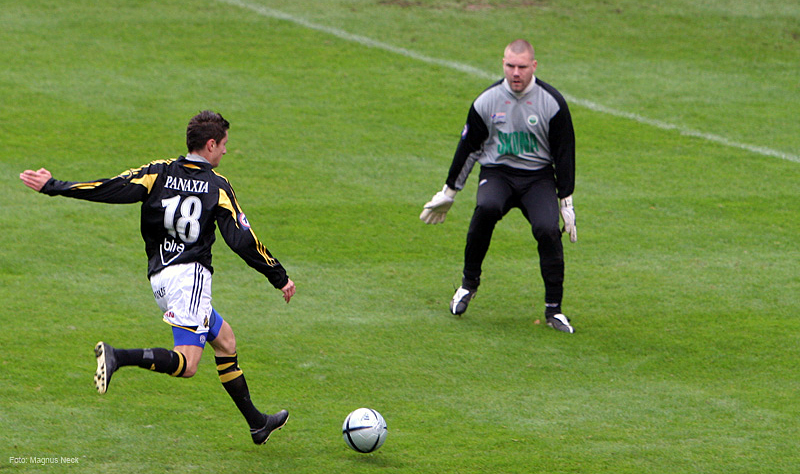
<point x="683" y="284"/>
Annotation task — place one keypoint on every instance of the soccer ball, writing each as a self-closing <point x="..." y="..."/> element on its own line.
<point x="364" y="430"/>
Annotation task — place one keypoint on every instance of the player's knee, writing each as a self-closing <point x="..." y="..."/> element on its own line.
<point x="489" y="205"/>
<point x="189" y="372"/>
<point x="489" y="211"/>
<point x="225" y="341"/>
<point x="185" y="365"/>
<point x="546" y="233"/>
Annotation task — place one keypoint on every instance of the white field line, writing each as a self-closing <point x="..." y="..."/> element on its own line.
<point x="372" y="43"/>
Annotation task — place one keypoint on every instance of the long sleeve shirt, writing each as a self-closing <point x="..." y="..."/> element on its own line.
<point x="183" y="201"/>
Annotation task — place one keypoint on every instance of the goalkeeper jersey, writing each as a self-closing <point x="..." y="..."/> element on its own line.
<point x="530" y="131"/>
<point x="183" y="201"/>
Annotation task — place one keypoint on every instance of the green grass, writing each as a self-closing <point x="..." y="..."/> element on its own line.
<point x="683" y="284"/>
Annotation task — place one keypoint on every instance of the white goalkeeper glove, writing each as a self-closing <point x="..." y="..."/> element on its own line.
<point x="436" y="209"/>
<point x="568" y="214"/>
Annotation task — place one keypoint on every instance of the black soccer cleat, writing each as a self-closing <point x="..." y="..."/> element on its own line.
<point x="460" y="301"/>
<point x="106" y="366"/>
<point x="559" y="322"/>
<point x="271" y="423"/>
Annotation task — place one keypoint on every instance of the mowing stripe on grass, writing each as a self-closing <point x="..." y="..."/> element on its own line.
<point x="372" y="43"/>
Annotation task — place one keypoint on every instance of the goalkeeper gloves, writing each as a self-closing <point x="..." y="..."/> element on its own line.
<point x="436" y="209"/>
<point x="568" y="214"/>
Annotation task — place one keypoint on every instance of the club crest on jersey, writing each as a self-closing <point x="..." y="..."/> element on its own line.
<point x="243" y="221"/>
<point x="533" y="120"/>
<point x="499" y="117"/>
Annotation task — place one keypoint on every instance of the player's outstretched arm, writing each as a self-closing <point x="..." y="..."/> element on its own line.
<point x="35" y="179"/>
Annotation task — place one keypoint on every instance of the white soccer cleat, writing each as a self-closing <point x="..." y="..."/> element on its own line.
<point x="559" y="322"/>
<point x="460" y="301"/>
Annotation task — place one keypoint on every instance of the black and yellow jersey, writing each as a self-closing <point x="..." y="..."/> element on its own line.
<point x="183" y="201"/>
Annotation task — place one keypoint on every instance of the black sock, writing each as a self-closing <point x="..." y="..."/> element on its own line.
<point x="471" y="283"/>
<point x="551" y="309"/>
<point x="233" y="380"/>
<point x="160" y="360"/>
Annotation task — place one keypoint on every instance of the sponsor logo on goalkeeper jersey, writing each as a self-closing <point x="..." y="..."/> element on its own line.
<point x="517" y="143"/>
<point x="186" y="185"/>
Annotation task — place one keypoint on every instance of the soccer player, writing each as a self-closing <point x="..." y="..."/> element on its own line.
<point x="183" y="201"/>
<point x="520" y="131"/>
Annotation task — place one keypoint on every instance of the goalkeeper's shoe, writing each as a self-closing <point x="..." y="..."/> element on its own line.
<point x="271" y="423"/>
<point x="460" y="301"/>
<point x="106" y="366"/>
<point x="559" y="322"/>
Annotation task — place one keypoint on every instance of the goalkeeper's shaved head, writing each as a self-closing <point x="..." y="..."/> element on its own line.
<point x="520" y="46"/>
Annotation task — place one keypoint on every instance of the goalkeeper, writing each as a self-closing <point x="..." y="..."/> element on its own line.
<point x="520" y="131"/>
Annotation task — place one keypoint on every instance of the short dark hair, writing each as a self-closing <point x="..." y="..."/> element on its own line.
<point x="203" y="127"/>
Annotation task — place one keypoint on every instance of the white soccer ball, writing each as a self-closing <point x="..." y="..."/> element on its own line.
<point x="364" y="430"/>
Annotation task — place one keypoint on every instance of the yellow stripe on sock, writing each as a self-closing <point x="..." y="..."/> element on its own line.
<point x="222" y="367"/>
<point x="181" y="364"/>
<point x="224" y="378"/>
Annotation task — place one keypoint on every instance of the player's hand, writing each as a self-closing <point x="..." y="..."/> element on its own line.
<point x="35" y="179"/>
<point x="436" y="209"/>
<point x="568" y="214"/>
<point x="288" y="291"/>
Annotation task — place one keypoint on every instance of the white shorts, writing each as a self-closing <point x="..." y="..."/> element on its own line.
<point x="183" y="293"/>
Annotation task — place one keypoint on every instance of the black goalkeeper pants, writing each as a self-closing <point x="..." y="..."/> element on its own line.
<point x="534" y="192"/>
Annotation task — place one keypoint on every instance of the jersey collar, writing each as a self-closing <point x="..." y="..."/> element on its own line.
<point x="523" y="93"/>
<point x="196" y="158"/>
